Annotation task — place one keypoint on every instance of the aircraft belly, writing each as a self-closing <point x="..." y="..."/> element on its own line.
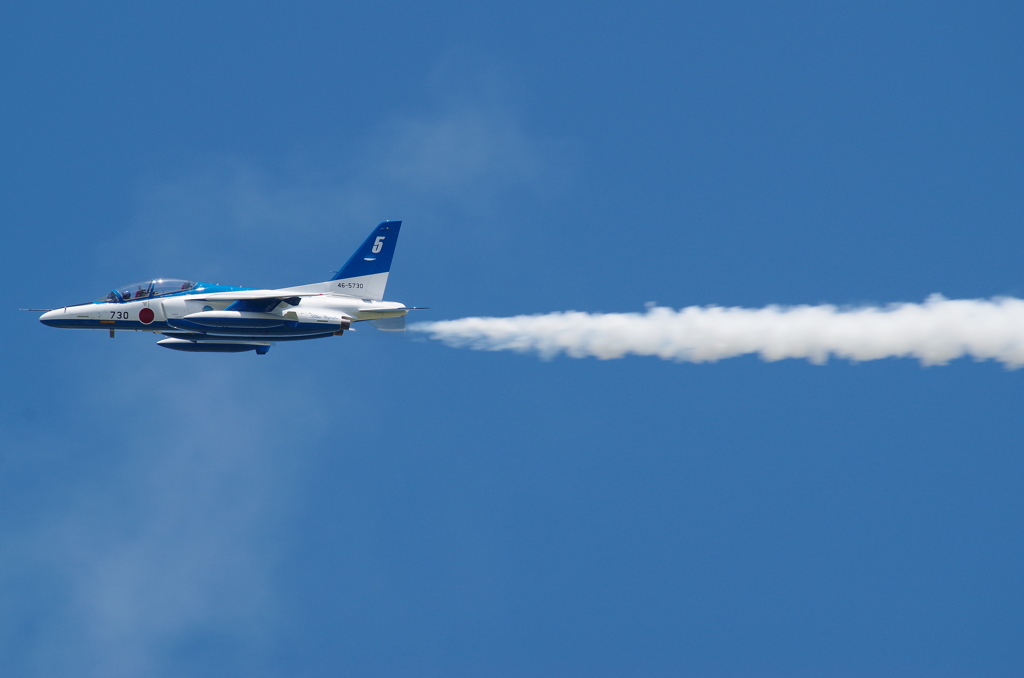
<point x="288" y="329"/>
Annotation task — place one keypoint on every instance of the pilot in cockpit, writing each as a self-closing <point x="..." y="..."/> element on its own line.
<point x="149" y="288"/>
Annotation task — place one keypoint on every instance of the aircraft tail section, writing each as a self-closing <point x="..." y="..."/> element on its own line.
<point x="389" y="324"/>
<point x="365" y="274"/>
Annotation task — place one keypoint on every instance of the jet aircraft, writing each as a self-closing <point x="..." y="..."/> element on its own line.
<point x="206" y="318"/>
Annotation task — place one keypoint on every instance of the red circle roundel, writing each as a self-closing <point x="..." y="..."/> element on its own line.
<point x="146" y="315"/>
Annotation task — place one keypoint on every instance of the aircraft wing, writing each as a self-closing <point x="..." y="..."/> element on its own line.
<point x="252" y="295"/>
<point x="397" y="308"/>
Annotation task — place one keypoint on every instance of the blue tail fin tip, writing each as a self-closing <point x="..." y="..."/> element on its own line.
<point x="375" y="254"/>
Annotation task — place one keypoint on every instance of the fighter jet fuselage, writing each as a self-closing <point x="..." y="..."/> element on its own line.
<point x="208" y="318"/>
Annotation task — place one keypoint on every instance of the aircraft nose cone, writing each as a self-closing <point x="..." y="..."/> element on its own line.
<point x="52" y="318"/>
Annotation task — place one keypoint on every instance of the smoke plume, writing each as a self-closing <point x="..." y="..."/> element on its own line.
<point x="934" y="332"/>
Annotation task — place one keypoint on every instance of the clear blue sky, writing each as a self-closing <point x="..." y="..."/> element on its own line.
<point x="382" y="505"/>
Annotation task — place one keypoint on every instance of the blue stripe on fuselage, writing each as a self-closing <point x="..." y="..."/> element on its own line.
<point x="95" y="324"/>
<point x="289" y="328"/>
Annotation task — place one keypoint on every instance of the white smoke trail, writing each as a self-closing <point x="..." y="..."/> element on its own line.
<point x="935" y="332"/>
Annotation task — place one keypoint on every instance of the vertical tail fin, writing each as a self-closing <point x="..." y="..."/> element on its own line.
<point x="365" y="274"/>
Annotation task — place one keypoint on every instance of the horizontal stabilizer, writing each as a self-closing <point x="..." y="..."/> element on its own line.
<point x="389" y="324"/>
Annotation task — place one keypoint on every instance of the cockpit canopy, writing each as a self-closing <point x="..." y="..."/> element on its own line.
<point x="149" y="288"/>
